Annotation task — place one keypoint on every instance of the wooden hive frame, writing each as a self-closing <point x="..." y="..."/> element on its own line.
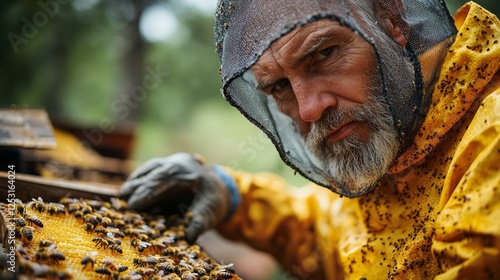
<point x="110" y="262"/>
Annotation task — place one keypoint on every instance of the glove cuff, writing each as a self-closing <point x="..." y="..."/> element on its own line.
<point x="233" y="190"/>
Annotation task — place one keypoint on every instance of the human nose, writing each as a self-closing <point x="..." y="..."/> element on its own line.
<point x="312" y="99"/>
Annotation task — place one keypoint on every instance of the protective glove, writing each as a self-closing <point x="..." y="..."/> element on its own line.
<point x="183" y="182"/>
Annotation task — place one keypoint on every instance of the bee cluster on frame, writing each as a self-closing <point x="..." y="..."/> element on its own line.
<point x="93" y="239"/>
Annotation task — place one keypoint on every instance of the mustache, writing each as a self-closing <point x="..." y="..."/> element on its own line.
<point x="333" y="119"/>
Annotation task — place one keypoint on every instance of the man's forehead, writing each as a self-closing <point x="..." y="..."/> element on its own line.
<point x="311" y="33"/>
<point x="312" y="28"/>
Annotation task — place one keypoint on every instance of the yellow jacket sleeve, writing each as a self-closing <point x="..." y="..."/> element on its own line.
<point x="271" y="215"/>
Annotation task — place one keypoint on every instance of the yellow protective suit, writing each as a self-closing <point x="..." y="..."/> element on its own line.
<point x="436" y="214"/>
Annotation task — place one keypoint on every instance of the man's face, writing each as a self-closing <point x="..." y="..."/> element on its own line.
<point x="325" y="77"/>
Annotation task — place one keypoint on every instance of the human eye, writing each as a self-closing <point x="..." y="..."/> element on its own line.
<point x="325" y="53"/>
<point x="280" y="85"/>
<point x="281" y="91"/>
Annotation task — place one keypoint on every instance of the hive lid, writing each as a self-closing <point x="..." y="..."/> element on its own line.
<point x="26" y="128"/>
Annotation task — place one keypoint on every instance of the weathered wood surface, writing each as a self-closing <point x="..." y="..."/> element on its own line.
<point x="27" y="187"/>
<point x="27" y="128"/>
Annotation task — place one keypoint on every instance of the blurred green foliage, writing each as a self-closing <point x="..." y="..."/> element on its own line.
<point x="79" y="58"/>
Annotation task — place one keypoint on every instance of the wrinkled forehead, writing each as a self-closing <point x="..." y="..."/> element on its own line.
<point x="246" y="29"/>
<point x="300" y="42"/>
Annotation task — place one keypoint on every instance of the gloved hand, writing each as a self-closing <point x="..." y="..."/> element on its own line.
<point x="183" y="182"/>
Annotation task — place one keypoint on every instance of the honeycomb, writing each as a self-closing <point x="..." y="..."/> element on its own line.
<point x="90" y="239"/>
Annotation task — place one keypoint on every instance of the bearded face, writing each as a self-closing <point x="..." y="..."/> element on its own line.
<point x="325" y="77"/>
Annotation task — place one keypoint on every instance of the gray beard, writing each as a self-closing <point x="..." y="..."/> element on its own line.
<point x="357" y="166"/>
<point x="354" y="164"/>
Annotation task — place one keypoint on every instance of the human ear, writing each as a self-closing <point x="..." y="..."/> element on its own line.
<point x="386" y="13"/>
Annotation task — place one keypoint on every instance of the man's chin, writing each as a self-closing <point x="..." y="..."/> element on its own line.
<point x="355" y="188"/>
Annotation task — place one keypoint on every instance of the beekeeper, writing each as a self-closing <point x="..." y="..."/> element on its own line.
<point x="390" y="108"/>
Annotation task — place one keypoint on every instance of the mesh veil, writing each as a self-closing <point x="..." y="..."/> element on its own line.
<point x="245" y="29"/>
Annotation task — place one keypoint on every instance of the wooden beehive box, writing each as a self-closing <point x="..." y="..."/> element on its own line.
<point x="55" y="229"/>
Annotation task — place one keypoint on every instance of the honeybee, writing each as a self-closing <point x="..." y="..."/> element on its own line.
<point x="181" y="270"/>
<point x="106" y="222"/>
<point x="20" y="221"/>
<point x="158" y="276"/>
<point x="228" y="267"/>
<point x="116" y="232"/>
<point x="36" y="204"/>
<point x="101" y="242"/>
<point x="132" y="232"/>
<point x="133" y="218"/>
<point x="50" y="254"/>
<point x="111" y="238"/>
<point x="44" y="243"/>
<point x="89" y="259"/>
<point x="75" y="206"/>
<point x="131" y="277"/>
<point x="33" y="220"/>
<point x="144" y="272"/>
<point x="188" y="275"/>
<point x="67" y="200"/>
<point x="171" y="251"/>
<point x="119" y="223"/>
<point x="151" y="233"/>
<point x="100" y="230"/>
<point x="26" y="233"/>
<point x="45" y="271"/>
<point x="107" y="271"/>
<point x="160" y="259"/>
<point x="42" y="256"/>
<point x="221" y="271"/>
<point x="20" y="208"/>
<point x="134" y="242"/>
<point x="121" y="268"/>
<point x="145" y="261"/>
<point x="171" y="276"/>
<point x="108" y="262"/>
<point x="221" y="274"/>
<point x="168" y="266"/>
<point x="165" y="240"/>
<point x="56" y="208"/>
<point x="97" y="203"/>
<point x="143" y="237"/>
<point x="55" y="255"/>
<point x="117" y="248"/>
<point x="86" y="209"/>
<point x="200" y="270"/>
<point x="156" y="246"/>
<point x="78" y="214"/>
<point x="142" y="261"/>
<point x="151" y="260"/>
<point x="142" y="245"/>
<point x="194" y="251"/>
<point x="38" y="270"/>
<point x="89" y="227"/>
<point x="21" y="250"/>
<point x="118" y="204"/>
<point x="94" y="218"/>
<point x="184" y="264"/>
<point x="105" y="212"/>
<point x="170" y="234"/>
<point x="158" y="225"/>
